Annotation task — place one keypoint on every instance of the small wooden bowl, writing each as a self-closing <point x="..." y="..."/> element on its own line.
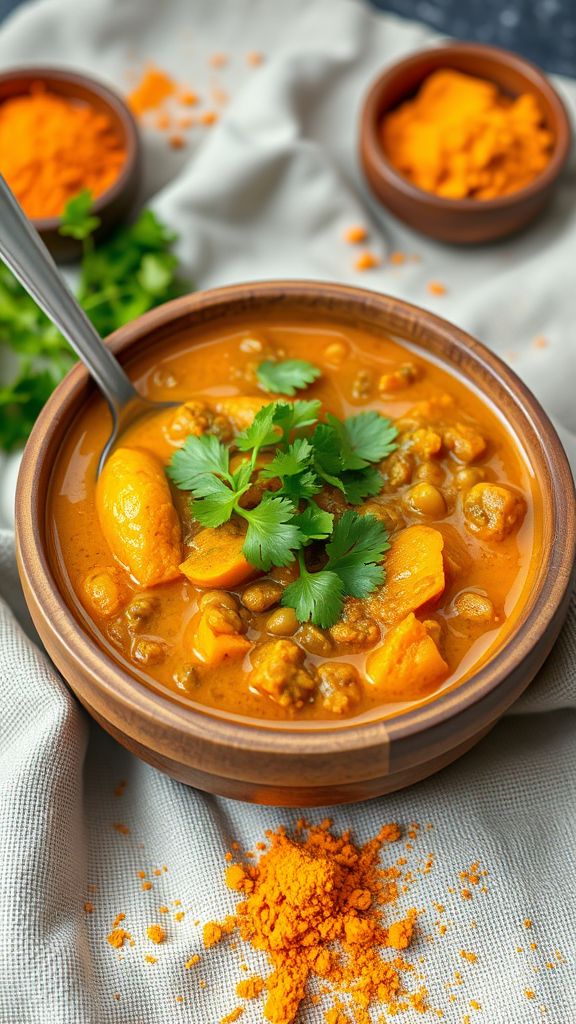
<point x="464" y="221"/>
<point x="276" y="763"/>
<point x="118" y="201"/>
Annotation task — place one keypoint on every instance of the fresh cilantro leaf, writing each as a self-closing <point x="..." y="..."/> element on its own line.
<point x="327" y="458"/>
<point x="21" y="402"/>
<point x="213" y="502"/>
<point x="272" y="534"/>
<point x="77" y="220"/>
<point x="290" y="416"/>
<point x="362" y="483"/>
<point x="118" y="282"/>
<point x="291" y="462"/>
<point x="156" y="272"/>
<point x="314" y="523"/>
<point x="316" y="597"/>
<point x="151" y="233"/>
<point x="197" y="457"/>
<point x="261" y="432"/>
<point x="355" y="552"/>
<point x="301" y="487"/>
<point x="286" y="377"/>
<point x="370" y="436"/>
<point x="349" y="459"/>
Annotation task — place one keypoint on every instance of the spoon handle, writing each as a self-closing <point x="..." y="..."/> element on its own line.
<point x="24" y="252"/>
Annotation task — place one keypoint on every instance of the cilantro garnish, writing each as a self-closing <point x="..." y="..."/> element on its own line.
<point x="355" y="552"/>
<point x="130" y="273"/>
<point x="286" y="377"/>
<point x="303" y="455"/>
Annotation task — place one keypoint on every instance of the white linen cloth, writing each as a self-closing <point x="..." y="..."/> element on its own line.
<point x="267" y="192"/>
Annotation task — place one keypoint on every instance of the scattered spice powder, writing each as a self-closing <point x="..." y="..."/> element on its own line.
<point x="163" y="909"/>
<point x="89" y="907"/>
<point x="208" y="117"/>
<point x="436" y="288"/>
<point x="529" y="993"/>
<point x="189" y="98"/>
<point x="250" y="988"/>
<point x="460" y="137"/>
<point x="53" y="146"/>
<point x="397" y="258"/>
<point x="254" y="59"/>
<point x="156" y="933"/>
<point x="195" y="959"/>
<point x="234" y="1015"/>
<point x="120" y="788"/>
<point x="366" y="261"/>
<point x="527" y="922"/>
<point x="218" y="60"/>
<point x="152" y="91"/>
<point x="470" y="957"/>
<point x="177" y="141"/>
<point x="355" y="233"/>
<point x="149" y="959"/>
<point x="179" y="915"/>
<point x="307" y="893"/>
<point x="121" y="828"/>
<point x="117" y="937"/>
<point x="146" y="886"/>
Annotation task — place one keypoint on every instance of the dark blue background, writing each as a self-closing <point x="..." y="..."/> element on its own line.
<point x="543" y="30"/>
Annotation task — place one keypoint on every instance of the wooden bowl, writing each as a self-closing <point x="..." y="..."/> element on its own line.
<point x="463" y="221"/>
<point x="275" y="763"/>
<point x="118" y="201"/>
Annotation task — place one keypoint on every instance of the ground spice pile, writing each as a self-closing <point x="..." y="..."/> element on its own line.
<point x="460" y="137"/>
<point x="314" y="902"/>
<point x="52" y="147"/>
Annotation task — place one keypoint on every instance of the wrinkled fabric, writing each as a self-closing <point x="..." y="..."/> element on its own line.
<point x="265" y="193"/>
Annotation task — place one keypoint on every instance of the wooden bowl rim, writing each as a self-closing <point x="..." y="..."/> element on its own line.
<point x="107" y="96"/>
<point x="374" y="154"/>
<point x="190" y="724"/>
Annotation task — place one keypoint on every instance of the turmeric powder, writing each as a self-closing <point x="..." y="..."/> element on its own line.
<point x="313" y="903"/>
<point x="460" y="137"/>
<point x="52" y="147"/>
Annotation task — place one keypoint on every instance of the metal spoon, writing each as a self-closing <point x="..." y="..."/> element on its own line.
<point x="24" y="252"/>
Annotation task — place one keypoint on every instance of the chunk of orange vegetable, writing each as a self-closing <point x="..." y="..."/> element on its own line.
<point x="241" y="409"/>
<point x="414" y="573"/>
<point x="408" y="665"/>
<point x="217" y="559"/>
<point x="137" y="516"/>
<point x="212" y="647"/>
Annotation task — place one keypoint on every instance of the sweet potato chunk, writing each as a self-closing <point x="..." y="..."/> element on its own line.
<point x="408" y="665"/>
<point x="137" y="516"/>
<point x="414" y="574"/>
<point x="216" y="635"/>
<point x="217" y="560"/>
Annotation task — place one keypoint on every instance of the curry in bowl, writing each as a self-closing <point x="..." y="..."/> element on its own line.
<point x="325" y="526"/>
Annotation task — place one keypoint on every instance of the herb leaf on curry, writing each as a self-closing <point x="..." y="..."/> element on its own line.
<point x="286" y="377"/>
<point x="287" y="456"/>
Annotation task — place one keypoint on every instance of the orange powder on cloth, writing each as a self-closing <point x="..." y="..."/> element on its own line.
<point x="152" y="90"/>
<point x="313" y="902"/>
<point x="460" y="137"/>
<point x="52" y="147"/>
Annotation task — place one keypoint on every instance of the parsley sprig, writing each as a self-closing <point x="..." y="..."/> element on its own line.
<point x="304" y="454"/>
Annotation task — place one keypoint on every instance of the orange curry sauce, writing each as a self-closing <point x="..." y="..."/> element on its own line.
<point x="353" y="362"/>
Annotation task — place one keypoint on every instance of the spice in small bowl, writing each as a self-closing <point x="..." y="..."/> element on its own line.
<point x="464" y="142"/>
<point x="62" y="133"/>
